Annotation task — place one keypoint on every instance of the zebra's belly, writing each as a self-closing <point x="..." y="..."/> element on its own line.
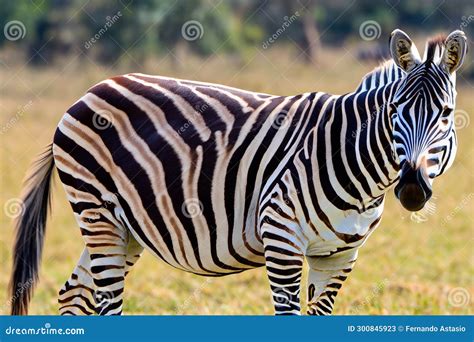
<point x="195" y="246"/>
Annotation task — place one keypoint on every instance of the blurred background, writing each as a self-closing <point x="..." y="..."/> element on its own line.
<point x="52" y="51"/>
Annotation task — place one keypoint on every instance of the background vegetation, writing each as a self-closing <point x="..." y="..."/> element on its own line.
<point x="413" y="264"/>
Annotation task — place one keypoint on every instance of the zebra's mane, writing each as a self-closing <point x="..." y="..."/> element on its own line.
<point x="434" y="48"/>
<point x="386" y="72"/>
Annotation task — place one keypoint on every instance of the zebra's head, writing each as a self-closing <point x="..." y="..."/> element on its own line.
<point x="422" y="113"/>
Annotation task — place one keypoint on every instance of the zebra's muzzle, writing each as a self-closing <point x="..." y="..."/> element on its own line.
<point x="413" y="190"/>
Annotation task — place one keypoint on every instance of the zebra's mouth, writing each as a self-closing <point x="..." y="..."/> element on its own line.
<point x="412" y="190"/>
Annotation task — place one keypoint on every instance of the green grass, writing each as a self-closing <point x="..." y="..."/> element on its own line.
<point x="405" y="267"/>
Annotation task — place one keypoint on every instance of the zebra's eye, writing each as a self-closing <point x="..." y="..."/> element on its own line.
<point x="392" y="109"/>
<point x="446" y="113"/>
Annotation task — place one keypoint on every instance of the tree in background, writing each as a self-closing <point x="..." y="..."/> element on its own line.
<point x="111" y="31"/>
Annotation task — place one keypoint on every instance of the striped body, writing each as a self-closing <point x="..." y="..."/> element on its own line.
<point x="189" y="168"/>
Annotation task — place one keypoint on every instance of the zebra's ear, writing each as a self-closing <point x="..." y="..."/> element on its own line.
<point x="454" y="51"/>
<point x="403" y="50"/>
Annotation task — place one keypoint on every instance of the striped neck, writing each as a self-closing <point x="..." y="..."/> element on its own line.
<point x="354" y="152"/>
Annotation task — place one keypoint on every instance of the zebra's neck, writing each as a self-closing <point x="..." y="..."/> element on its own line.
<point x="353" y="149"/>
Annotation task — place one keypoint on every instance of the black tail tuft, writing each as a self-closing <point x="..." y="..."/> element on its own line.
<point x="30" y="229"/>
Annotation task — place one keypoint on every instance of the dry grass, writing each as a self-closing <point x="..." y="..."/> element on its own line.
<point x="405" y="267"/>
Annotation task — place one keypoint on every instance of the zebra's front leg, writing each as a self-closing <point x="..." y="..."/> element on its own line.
<point x="325" y="278"/>
<point x="284" y="264"/>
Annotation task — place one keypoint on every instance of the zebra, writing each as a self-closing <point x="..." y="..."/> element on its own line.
<point x="215" y="180"/>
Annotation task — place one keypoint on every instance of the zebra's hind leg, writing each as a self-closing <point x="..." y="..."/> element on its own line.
<point x="77" y="296"/>
<point x="107" y="245"/>
<point x="325" y="278"/>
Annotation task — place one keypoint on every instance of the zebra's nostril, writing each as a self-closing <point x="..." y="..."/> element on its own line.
<point x="412" y="190"/>
<point x="412" y="197"/>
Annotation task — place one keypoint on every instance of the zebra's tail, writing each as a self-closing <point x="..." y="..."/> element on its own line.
<point x="30" y="229"/>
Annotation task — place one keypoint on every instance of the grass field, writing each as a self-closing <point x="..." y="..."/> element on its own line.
<point x="406" y="267"/>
